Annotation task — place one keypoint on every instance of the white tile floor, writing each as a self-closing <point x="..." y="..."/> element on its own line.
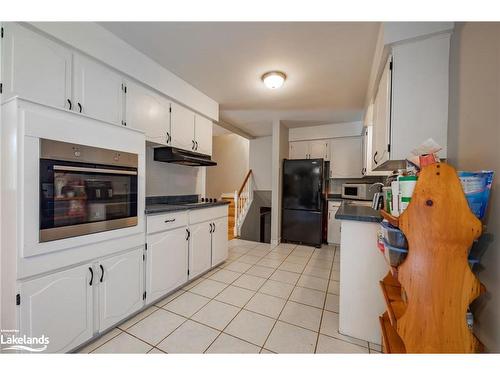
<point x="262" y="300"/>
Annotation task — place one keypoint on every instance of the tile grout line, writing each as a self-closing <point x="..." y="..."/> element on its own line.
<point x="241" y="309"/>
<point x="324" y="302"/>
<point x="284" y="305"/>
<point x="207" y="276"/>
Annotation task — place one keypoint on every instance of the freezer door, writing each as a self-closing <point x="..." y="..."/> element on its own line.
<point x="303" y="184"/>
<point x="302" y="226"/>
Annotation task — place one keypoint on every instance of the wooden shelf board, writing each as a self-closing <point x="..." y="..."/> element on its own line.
<point x="393" y="220"/>
<point x="392" y="342"/>
<point x="391" y="289"/>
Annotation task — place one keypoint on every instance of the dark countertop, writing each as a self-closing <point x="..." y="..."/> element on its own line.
<point x="358" y="213"/>
<point x="165" y="207"/>
<point x="334" y="197"/>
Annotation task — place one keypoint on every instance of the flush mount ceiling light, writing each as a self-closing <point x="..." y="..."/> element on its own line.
<point x="274" y="80"/>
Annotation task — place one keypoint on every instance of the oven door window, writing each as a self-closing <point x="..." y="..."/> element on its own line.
<point x="80" y="198"/>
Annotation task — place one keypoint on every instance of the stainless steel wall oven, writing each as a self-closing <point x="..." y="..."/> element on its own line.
<point x="85" y="190"/>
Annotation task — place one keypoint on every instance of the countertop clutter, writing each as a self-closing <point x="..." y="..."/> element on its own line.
<point x="160" y="204"/>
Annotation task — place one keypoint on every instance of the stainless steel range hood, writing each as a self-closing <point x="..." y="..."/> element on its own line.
<point x="183" y="157"/>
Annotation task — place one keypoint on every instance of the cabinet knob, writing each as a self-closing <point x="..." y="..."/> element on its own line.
<point x="70" y="104"/>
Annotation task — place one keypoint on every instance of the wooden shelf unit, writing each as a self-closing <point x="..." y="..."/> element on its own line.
<point x="427" y="296"/>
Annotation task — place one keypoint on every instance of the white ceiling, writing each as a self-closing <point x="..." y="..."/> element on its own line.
<point x="327" y="66"/>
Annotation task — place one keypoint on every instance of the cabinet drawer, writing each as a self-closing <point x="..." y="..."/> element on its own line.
<point x="206" y="214"/>
<point x="161" y="222"/>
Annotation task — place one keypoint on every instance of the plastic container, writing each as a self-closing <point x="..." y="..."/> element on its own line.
<point x="477" y="186"/>
<point x="394" y="255"/>
<point x="393" y="235"/>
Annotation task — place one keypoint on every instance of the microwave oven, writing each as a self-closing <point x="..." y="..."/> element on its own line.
<point x="358" y="191"/>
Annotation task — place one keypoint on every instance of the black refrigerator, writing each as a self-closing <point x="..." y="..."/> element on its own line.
<point x="302" y="204"/>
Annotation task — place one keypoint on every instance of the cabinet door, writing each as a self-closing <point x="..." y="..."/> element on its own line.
<point x="60" y="307"/>
<point x="200" y="249"/>
<point x="346" y="157"/>
<point x="149" y="112"/>
<point x="381" y="123"/>
<point x="299" y="150"/>
<point x="203" y="135"/>
<point x="219" y="241"/>
<point x="121" y="287"/>
<point x="166" y="262"/>
<point x="182" y="127"/>
<point x="333" y="226"/>
<point x="35" y="67"/>
<point x="98" y="90"/>
<point x="319" y="150"/>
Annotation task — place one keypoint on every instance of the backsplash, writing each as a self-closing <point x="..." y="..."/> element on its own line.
<point x="172" y="179"/>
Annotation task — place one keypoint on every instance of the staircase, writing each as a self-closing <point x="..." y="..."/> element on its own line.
<point x="239" y="205"/>
<point x="231" y="219"/>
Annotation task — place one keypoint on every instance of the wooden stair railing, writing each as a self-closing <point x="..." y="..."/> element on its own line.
<point x="242" y="200"/>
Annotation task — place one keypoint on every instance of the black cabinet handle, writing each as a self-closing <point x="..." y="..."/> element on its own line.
<point x="169" y="220"/>
<point x="168" y="137"/>
<point x="214" y="228"/>
<point x="70" y="105"/>
<point x="102" y="272"/>
<point x="196" y="145"/>
<point x="188" y="234"/>
<point x="91" y="276"/>
<point x="192" y="147"/>
<point x="80" y="108"/>
<point x="375" y="157"/>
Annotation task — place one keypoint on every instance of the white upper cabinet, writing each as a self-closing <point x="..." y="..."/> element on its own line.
<point x="298" y="150"/>
<point x="367" y="154"/>
<point x="420" y="94"/>
<point x="98" y="90"/>
<point x="149" y="112"/>
<point x="121" y="286"/>
<point x="411" y="103"/>
<point x="35" y="68"/>
<point x="381" y="119"/>
<point x="346" y="156"/>
<point x="203" y="135"/>
<point x="317" y="149"/>
<point x="166" y="262"/>
<point x="59" y="306"/>
<point x="182" y="127"/>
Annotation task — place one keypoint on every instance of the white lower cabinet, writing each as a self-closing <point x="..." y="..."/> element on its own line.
<point x="121" y="287"/>
<point x="333" y="223"/>
<point x="166" y="262"/>
<point x="219" y="241"/>
<point x="59" y="306"/>
<point x="200" y="249"/>
<point x="62" y="307"/>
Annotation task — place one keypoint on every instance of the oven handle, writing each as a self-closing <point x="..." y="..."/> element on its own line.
<point x="94" y="170"/>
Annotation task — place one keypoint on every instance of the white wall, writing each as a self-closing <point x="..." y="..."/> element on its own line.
<point x="345" y="129"/>
<point x="172" y="179"/>
<point x="473" y="144"/>
<point x="231" y="153"/>
<point x="279" y="152"/>
<point x="260" y="159"/>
